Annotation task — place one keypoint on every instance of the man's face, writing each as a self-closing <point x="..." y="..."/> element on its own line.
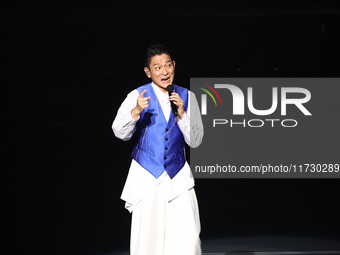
<point x="161" y="70"/>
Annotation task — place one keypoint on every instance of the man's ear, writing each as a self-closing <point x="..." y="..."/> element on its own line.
<point x="174" y="63"/>
<point x="147" y="72"/>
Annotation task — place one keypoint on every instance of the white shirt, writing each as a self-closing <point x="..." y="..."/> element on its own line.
<point x="139" y="181"/>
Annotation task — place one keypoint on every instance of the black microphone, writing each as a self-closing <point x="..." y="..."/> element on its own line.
<point x="171" y="89"/>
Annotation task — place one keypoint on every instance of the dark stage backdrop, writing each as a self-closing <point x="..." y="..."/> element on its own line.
<point x="67" y="72"/>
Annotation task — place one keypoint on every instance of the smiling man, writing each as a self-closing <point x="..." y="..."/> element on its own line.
<point x="159" y="189"/>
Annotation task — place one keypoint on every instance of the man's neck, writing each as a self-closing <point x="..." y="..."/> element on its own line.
<point x="161" y="89"/>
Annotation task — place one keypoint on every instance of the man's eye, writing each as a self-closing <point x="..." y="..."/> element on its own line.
<point x="157" y="68"/>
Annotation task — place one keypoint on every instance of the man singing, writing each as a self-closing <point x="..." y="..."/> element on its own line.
<point x="159" y="189"/>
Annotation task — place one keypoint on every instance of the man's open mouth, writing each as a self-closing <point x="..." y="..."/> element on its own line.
<point x="165" y="79"/>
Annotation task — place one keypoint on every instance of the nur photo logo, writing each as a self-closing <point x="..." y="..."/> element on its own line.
<point x="243" y="98"/>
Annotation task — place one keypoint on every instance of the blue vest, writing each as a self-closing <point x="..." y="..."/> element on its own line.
<point x="160" y="144"/>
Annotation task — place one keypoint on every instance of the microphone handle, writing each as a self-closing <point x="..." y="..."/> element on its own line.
<point x="170" y="89"/>
<point x="174" y="109"/>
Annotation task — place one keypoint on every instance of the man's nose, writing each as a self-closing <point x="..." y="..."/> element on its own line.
<point x="164" y="71"/>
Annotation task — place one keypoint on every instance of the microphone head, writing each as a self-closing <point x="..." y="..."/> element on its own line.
<point x="170" y="88"/>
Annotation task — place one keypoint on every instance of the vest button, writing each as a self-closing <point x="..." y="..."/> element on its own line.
<point x="165" y="157"/>
<point x="166" y="139"/>
<point x="167" y="130"/>
<point x="165" y="166"/>
<point x="166" y="148"/>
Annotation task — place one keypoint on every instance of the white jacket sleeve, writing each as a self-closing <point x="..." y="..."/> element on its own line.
<point x="124" y="125"/>
<point x="191" y="124"/>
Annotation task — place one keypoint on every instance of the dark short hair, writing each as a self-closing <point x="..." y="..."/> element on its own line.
<point x="154" y="50"/>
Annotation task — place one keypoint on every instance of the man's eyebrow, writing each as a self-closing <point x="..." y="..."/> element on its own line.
<point x="160" y="63"/>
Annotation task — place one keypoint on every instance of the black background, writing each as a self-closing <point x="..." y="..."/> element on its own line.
<point x="69" y="67"/>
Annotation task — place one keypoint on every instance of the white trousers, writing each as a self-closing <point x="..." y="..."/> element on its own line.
<point x="160" y="227"/>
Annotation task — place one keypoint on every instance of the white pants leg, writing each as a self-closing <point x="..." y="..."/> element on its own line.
<point x="160" y="227"/>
